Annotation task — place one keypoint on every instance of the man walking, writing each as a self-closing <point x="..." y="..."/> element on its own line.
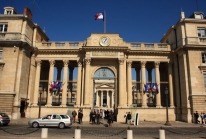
<point x="74" y="114"/>
<point x="129" y="117"/>
<point x="80" y="116"/>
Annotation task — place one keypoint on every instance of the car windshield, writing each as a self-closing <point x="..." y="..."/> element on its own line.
<point x="3" y="114"/>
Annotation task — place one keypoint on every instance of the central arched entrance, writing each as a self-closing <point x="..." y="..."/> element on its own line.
<point x="104" y="96"/>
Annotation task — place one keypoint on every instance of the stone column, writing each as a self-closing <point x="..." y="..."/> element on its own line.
<point x="101" y="98"/>
<point x="112" y="99"/>
<point x="144" y="97"/>
<point x="65" y="78"/>
<point x="97" y="99"/>
<point x="79" y="82"/>
<point x="87" y="82"/>
<point x="157" y="79"/>
<point x="34" y="36"/>
<point x="121" y="92"/>
<point x="51" y="79"/>
<point x="37" y="79"/>
<point x="170" y="84"/>
<point x="129" y="81"/>
<point x="108" y="104"/>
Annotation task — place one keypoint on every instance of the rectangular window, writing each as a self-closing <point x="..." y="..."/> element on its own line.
<point x="203" y="57"/>
<point x="3" y="27"/>
<point x="205" y="81"/>
<point x="201" y="32"/>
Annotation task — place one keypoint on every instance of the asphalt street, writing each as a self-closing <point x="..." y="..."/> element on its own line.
<point x="145" y="130"/>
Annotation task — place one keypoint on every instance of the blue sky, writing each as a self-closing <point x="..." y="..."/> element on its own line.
<point x="134" y="20"/>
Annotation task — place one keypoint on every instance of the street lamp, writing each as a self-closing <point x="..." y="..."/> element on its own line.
<point x="166" y="93"/>
<point x="40" y="92"/>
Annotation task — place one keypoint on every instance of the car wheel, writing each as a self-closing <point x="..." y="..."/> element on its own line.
<point x="61" y="125"/>
<point x="35" y="124"/>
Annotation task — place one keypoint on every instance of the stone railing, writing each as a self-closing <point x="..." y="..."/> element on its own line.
<point x="150" y="46"/>
<point x="60" y="45"/>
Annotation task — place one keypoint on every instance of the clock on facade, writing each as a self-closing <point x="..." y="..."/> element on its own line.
<point x="104" y="41"/>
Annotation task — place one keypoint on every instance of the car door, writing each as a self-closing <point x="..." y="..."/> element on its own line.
<point x="45" y="121"/>
<point x="55" y="120"/>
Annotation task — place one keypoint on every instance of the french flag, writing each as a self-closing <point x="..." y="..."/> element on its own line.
<point x="99" y="16"/>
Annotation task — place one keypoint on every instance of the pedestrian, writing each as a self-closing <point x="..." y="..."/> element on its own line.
<point x="74" y="114"/>
<point x="129" y="117"/>
<point x="125" y="116"/>
<point x="93" y="117"/>
<point x="202" y="118"/>
<point x="98" y="118"/>
<point x="90" y="116"/>
<point x="80" y="116"/>
<point x="109" y="118"/>
<point x="112" y="114"/>
<point x="103" y="115"/>
<point x="196" y="115"/>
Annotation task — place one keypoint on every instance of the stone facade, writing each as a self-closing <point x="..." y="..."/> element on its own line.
<point x="104" y="64"/>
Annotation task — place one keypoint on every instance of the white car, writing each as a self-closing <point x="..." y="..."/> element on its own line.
<point x="51" y="120"/>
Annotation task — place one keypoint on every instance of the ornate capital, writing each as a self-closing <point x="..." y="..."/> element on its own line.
<point x="87" y="61"/>
<point x="52" y="62"/>
<point x="66" y="63"/>
<point x="79" y="63"/>
<point x="129" y="63"/>
<point x="38" y="62"/>
<point x="121" y="61"/>
<point x="143" y="64"/>
<point x="157" y="64"/>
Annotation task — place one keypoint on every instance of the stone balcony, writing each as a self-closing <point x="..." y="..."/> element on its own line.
<point x="10" y="36"/>
<point x="14" y="37"/>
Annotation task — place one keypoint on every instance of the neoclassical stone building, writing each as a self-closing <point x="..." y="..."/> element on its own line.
<point x="111" y="73"/>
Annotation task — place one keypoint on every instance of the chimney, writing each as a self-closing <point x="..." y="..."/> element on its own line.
<point x="182" y="15"/>
<point x="27" y="12"/>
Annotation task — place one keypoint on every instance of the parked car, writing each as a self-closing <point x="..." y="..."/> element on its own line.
<point x="51" y="120"/>
<point x="4" y="119"/>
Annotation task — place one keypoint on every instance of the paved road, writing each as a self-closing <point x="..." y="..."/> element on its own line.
<point x="146" y="130"/>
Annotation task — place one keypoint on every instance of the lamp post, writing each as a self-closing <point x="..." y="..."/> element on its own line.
<point x="166" y="93"/>
<point x="40" y="93"/>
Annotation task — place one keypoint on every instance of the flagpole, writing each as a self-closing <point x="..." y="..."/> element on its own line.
<point x="104" y="22"/>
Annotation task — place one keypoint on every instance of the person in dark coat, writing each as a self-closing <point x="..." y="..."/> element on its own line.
<point x="93" y="117"/>
<point x="109" y="118"/>
<point x="80" y="116"/>
<point x="98" y="118"/>
<point x="129" y="117"/>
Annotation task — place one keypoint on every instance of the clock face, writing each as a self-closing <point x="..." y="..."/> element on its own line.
<point x="104" y="41"/>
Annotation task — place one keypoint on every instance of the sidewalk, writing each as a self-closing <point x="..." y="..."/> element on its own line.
<point x="148" y="124"/>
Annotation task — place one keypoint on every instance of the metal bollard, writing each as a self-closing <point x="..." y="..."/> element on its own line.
<point x="44" y="133"/>
<point x="77" y="134"/>
<point x="129" y="133"/>
<point x="161" y="133"/>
